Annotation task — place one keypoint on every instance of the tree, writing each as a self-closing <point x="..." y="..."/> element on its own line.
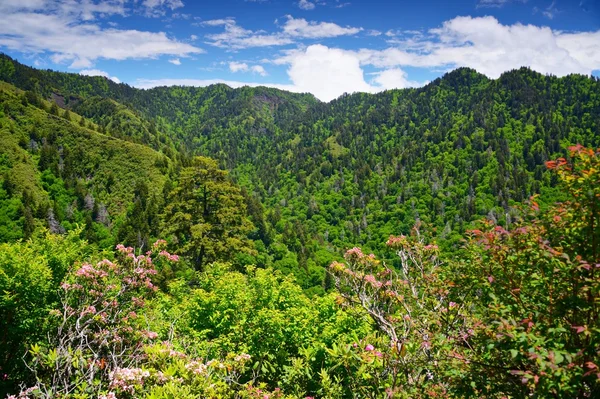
<point x="423" y="317"/>
<point x="54" y="109"/>
<point x="539" y="329"/>
<point x="206" y="215"/>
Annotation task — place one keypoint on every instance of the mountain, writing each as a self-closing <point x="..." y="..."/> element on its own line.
<point x="316" y="177"/>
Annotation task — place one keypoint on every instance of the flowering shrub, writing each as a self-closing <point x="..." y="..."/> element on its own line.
<point x="423" y="321"/>
<point x="539" y="332"/>
<point x="100" y="332"/>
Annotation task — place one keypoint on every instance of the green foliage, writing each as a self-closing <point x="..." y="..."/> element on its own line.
<point x="539" y="332"/>
<point x="30" y="273"/>
<point x="350" y="172"/>
<point x="205" y="214"/>
<point x="248" y="312"/>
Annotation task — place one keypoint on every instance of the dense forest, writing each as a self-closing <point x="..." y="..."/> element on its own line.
<point x="204" y="242"/>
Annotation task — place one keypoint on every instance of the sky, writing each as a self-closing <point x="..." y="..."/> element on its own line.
<point x="324" y="47"/>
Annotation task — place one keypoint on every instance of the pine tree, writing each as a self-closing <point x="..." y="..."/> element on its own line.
<point x="206" y="214"/>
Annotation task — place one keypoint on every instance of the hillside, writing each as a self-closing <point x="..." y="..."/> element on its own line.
<point x="319" y="177"/>
<point x="61" y="171"/>
<point x="194" y="242"/>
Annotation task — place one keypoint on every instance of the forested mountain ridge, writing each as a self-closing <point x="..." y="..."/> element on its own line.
<point x="193" y="242"/>
<point x="319" y="177"/>
<point x="59" y="170"/>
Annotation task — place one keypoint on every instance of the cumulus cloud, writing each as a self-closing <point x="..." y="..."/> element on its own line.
<point x="302" y="28"/>
<point x="235" y="66"/>
<point x="238" y="66"/>
<point x="175" y="61"/>
<point x="306" y="5"/>
<point x="492" y="48"/>
<point x="394" y="78"/>
<point x="156" y="8"/>
<point x="236" y="37"/>
<point x="325" y="72"/>
<point x="480" y="43"/>
<point x="97" y="72"/>
<point x="65" y="30"/>
<point x="258" y="69"/>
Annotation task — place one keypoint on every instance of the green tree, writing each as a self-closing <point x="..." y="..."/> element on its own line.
<point x="539" y="330"/>
<point x="206" y="215"/>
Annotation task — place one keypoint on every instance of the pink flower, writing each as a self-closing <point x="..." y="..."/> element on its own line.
<point x="491" y="279"/>
<point x="369" y="347"/>
<point x="159" y="243"/>
<point x="354" y="253"/>
<point x="378" y="354"/>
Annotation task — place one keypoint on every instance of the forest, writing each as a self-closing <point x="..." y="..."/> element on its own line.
<point x="210" y="242"/>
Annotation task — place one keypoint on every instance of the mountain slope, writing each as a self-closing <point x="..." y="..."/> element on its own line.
<point x="59" y="169"/>
<point x="319" y="177"/>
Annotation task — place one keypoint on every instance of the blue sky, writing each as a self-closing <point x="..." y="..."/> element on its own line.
<point x="326" y="47"/>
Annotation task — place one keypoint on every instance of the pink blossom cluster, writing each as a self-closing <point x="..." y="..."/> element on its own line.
<point x="197" y="367"/>
<point x="123" y="249"/>
<point x="159" y="244"/>
<point x="396" y="241"/>
<point x="242" y="357"/>
<point x="171" y="257"/>
<point x="369" y="278"/>
<point x="354" y="253"/>
<point x="126" y="379"/>
<point x="151" y="335"/>
<point x="371" y="348"/>
<point x="88" y="271"/>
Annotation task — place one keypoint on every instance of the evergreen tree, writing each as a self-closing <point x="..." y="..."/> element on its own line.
<point x="206" y="214"/>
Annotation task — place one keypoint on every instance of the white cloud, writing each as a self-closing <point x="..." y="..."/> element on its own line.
<point x="218" y="22"/>
<point x="373" y="32"/>
<point x="394" y="78"/>
<point x="258" y="69"/>
<point x="306" y="5"/>
<point x="325" y="72"/>
<point x="497" y="3"/>
<point x="238" y="66"/>
<point x="156" y="8"/>
<point x="80" y="9"/>
<point x="492" y="48"/>
<point x="236" y="38"/>
<point x="97" y="72"/>
<point x="175" y="61"/>
<point x="550" y="11"/>
<point x="65" y="31"/>
<point x="582" y="46"/>
<point x="302" y="28"/>
<point x="235" y="66"/>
